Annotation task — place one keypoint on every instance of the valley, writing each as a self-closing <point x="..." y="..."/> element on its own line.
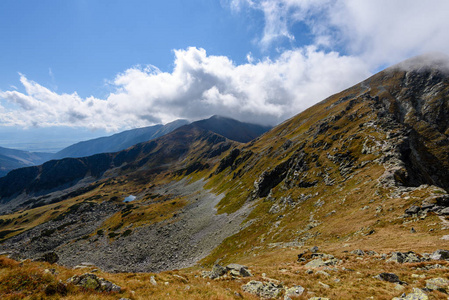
<point x="322" y="205"/>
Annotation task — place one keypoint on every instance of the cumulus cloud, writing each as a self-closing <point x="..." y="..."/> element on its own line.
<point x="371" y="33"/>
<point x="265" y="91"/>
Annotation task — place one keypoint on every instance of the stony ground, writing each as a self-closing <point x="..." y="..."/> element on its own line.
<point x="283" y="273"/>
<point x="175" y="243"/>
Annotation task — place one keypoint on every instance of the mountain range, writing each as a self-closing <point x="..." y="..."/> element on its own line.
<point x="12" y="159"/>
<point x="119" y="141"/>
<point x="346" y="200"/>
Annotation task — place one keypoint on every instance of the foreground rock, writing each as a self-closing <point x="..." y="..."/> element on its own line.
<point x="406" y="257"/>
<point x="390" y="277"/>
<point x="272" y="289"/>
<point x="50" y="257"/>
<point x="417" y="294"/>
<point x="440" y="255"/>
<point x="93" y="282"/>
<point x="439" y="284"/>
<point x="321" y="260"/>
<point x="294" y="291"/>
<point x="267" y="290"/>
<point x="234" y="270"/>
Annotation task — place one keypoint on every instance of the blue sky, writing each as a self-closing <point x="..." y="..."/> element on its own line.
<point x="73" y="70"/>
<point x="76" y="45"/>
<point x="84" y="43"/>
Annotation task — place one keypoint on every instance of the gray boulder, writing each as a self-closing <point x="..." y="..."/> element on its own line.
<point x="238" y="270"/>
<point x="444" y="211"/>
<point x="316" y="263"/>
<point x="412" y="210"/>
<point x="267" y="290"/>
<point x="314" y="249"/>
<point x="439" y="284"/>
<point x="405" y="257"/>
<point x="440" y="255"/>
<point x="217" y="271"/>
<point x="93" y="282"/>
<point x="358" y="252"/>
<point x="294" y="291"/>
<point x="417" y="294"/>
<point x="390" y="277"/>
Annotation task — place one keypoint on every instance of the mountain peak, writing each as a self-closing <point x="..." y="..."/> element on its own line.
<point x="428" y="61"/>
<point x="232" y="129"/>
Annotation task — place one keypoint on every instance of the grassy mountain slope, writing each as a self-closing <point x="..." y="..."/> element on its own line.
<point x="346" y="167"/>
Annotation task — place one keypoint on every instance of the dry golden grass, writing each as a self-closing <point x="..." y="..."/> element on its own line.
<point x="353" y="278"/>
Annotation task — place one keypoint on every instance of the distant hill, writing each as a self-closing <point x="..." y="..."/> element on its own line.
<point x="232" y="129"/>
<point x="119" y="141"/>
<point x="11" y="159"/>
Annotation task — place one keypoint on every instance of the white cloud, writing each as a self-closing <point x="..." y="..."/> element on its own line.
<point x="385" y="32"/>
<point x="266" y="91"/>
<point x="374" y="33"/>
<point x="280" y="15"/>
<point x="381" y="32"/>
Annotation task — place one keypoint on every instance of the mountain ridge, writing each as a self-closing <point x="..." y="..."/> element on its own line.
<point x="118" y="141"/>
<point x="11" y="159"/>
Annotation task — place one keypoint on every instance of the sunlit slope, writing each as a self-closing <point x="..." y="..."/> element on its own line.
<point x="346" y="169"/>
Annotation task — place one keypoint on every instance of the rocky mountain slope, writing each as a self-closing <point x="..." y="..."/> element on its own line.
<point x="119" y="141"/>
<point x="362" y="176"/>
<point x="352" y="162"/>
<point x="11" y="159"/>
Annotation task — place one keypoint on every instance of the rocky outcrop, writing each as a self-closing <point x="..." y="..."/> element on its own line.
<point x="438" y="284"/>
<point x="405" y="257"/>
<point x="93" y="282"/>
<point x="440" y="255"/>
<point x="50" y="257"/>
<point x="417" y="294"/>
<point x="233" y="270"/>
<point x="266" y="290"/>
<point x="390" y="277"/>
<point x="322" y="260"/>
